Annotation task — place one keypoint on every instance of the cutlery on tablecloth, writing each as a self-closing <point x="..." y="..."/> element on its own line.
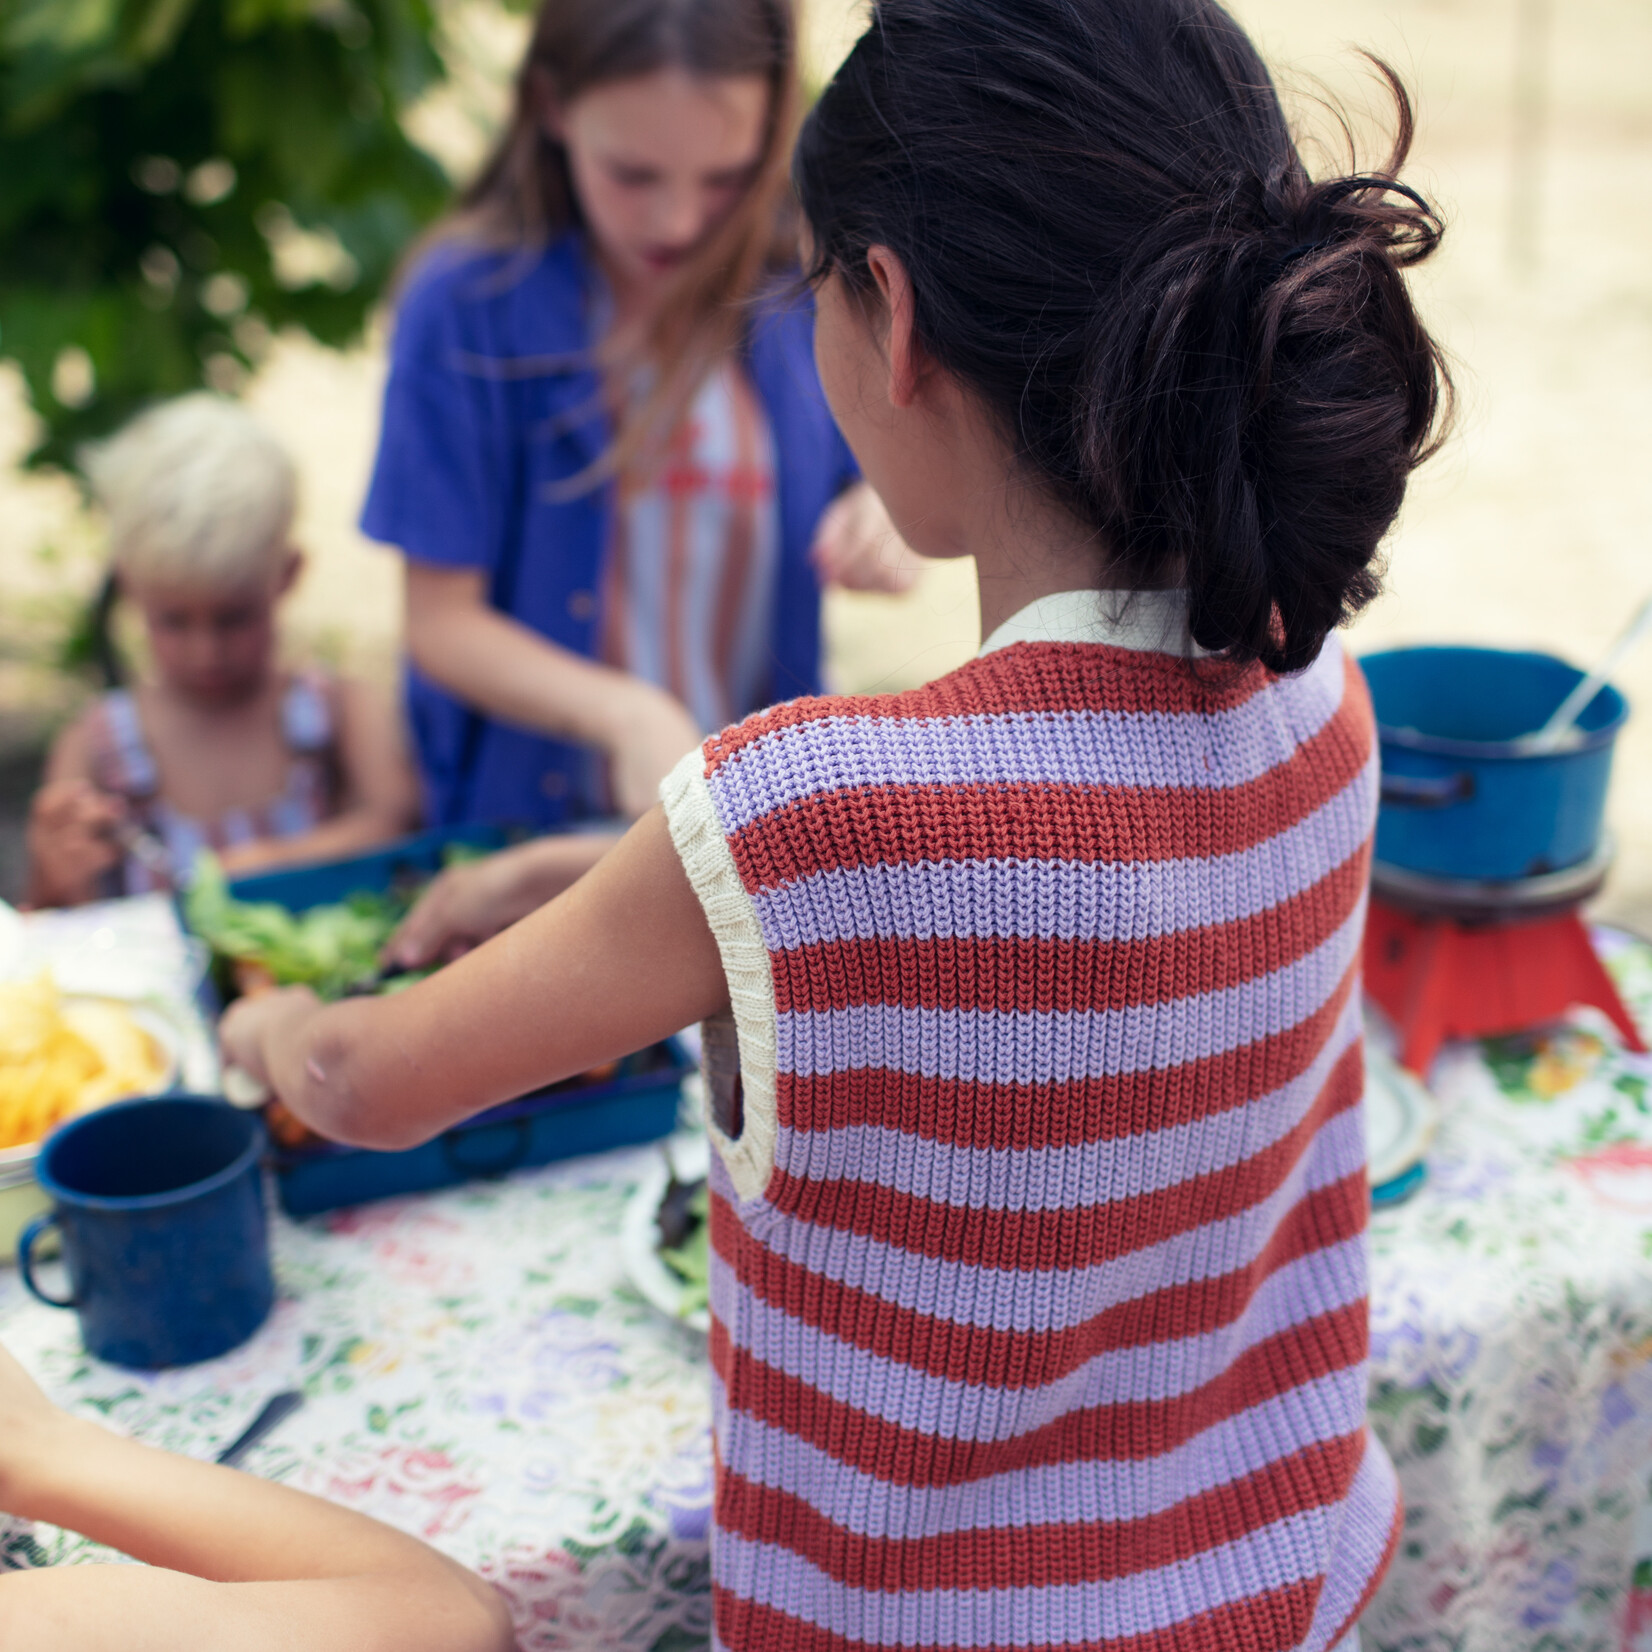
<point x="275" y="1412"/>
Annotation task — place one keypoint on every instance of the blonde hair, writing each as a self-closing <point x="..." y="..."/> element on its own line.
<point x="197" y="492"/>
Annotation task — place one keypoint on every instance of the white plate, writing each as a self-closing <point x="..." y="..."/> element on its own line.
<point x="1400" y="1118"/>
<point x="640" y="1235"/>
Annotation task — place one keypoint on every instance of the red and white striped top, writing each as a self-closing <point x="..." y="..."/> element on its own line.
<point x="688" y="584"/>
<point x="1039" y="1278"/>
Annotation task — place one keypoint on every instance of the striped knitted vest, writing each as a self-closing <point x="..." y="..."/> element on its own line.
<point x="1039" y="1279"/>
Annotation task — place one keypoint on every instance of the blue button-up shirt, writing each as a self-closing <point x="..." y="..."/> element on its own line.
<point x="492" y="405"/>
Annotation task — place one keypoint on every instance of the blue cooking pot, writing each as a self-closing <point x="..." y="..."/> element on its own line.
<point x="1460" y="799"/>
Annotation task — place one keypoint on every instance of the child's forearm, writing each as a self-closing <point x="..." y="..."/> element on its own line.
<point x="193" y="1517"/>
<point x="225" y="1526"/>
<point x="328" y="1064"/>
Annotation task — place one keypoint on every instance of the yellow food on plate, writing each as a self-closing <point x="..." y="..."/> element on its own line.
<point x="61" y="1056"/>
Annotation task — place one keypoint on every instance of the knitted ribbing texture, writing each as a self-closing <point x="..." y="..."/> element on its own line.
<point x="1039" y="1305"/>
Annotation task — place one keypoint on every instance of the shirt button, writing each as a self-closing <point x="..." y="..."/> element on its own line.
<point x="582" y="605"/>
<point x="553" y="783"/>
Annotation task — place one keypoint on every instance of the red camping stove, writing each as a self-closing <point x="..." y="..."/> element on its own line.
<point x="1454" y="958"/>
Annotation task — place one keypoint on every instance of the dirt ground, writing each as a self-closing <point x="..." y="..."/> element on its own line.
<point x="1531" y="528"/>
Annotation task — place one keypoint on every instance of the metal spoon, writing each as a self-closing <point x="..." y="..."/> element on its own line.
<point x="275" y="1411"/>
<point x="1553" y="733"/>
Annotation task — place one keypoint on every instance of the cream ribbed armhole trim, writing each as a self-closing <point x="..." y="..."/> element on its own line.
<point x="698" y="836"/>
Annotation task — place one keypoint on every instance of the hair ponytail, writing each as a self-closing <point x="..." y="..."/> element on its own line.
<point x="1206" y="355"/>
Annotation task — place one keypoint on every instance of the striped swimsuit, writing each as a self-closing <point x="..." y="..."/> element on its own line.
<point x="124" y="766"/>
<point x="1038" y="1208"/>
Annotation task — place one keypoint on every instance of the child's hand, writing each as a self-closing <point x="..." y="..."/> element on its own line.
<point x="250" y="1025"/>
<point x="856" y="546"/>
<point x="651" y="733"/>
<point x="463" y="906"/>
<point x="71" y="842"/>
<point x="471" y="903"/>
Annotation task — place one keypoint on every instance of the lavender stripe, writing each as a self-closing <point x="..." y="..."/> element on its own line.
<point x="1068" y="900"/>
<point x="1038" y="1047"/>
<point x="909" y="1398"/>
<point x="1004" y="1298"/>
<point x="1201" y="750"/>
<point x="1065" y="1178"/>
<point x="1367" y="1519"/>
<point x="1284" y="1552"/>
<point x="1086" y="1493"/>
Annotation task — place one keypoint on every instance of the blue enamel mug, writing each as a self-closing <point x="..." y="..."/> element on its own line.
<point x="160" y="1204"/>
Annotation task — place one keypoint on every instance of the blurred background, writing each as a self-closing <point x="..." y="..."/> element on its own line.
<point x="131" y="267"/>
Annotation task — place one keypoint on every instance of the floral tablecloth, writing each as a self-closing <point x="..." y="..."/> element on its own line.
<point x="1511" y="1329"/>
<point x="478" y="1370"/>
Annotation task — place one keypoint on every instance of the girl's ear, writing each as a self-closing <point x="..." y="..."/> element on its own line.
<point x="908" y="361"/>
<point x="547" y="106"/>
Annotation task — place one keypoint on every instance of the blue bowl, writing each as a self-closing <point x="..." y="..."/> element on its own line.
<point x="1461" y="798"/>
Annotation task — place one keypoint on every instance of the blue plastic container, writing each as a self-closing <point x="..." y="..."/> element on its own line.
<point x="638" y="1102"/>
<point x="420" y="856"/>
<point x="1460" y="797"/>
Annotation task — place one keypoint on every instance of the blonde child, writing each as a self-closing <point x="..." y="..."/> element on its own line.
<point x="220" y="748"/>
<point x="1038" y="1201"/>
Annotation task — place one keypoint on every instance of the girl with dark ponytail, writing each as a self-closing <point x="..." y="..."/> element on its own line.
<point x="1209" y="357"/>
<point x="1038" y="1199"/>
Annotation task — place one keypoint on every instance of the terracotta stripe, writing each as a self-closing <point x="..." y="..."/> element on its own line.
<point x="1031" y="973"/>
<point x="682" y="480"/>
<point x="1024" y="1358"/>
<point x="741" y="539"/>
<point x="1007" y="1557"/>
<point x="826" y="831"/>
<point x="1057" y="1115"/>
<point x="1274" y="1620"/>
<point x="1043" y="677"/>
<point x="1133" y="1431"/>
<point x="1083" y="1237"/>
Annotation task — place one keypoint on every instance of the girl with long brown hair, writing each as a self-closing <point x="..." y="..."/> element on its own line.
<point x="605" y="454"/>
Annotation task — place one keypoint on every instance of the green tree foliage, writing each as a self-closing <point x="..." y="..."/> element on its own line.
<point x="179" y="178"/>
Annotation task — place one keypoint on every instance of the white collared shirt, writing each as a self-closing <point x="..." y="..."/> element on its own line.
<point x="1153" y="622"/>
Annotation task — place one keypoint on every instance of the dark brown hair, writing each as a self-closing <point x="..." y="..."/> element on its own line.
<point x="523" y="196"/>
<point x="1205" y="353"/>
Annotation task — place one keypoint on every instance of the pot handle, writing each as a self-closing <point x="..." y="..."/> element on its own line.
<point x="1415" y="791"/>
<point x="26" y="1242"/>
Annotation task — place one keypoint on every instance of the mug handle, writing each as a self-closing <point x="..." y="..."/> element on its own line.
<point x="25" y="1261"/>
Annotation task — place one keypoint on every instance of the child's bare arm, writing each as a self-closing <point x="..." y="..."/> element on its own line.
<point x="380" y="796"/>
<point x="509" y="671"/>
<point x="71" y="842"/>
<point x="234" y="1562"/>
<point x="471" y="902"/>
<point x="624" y="957"/>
